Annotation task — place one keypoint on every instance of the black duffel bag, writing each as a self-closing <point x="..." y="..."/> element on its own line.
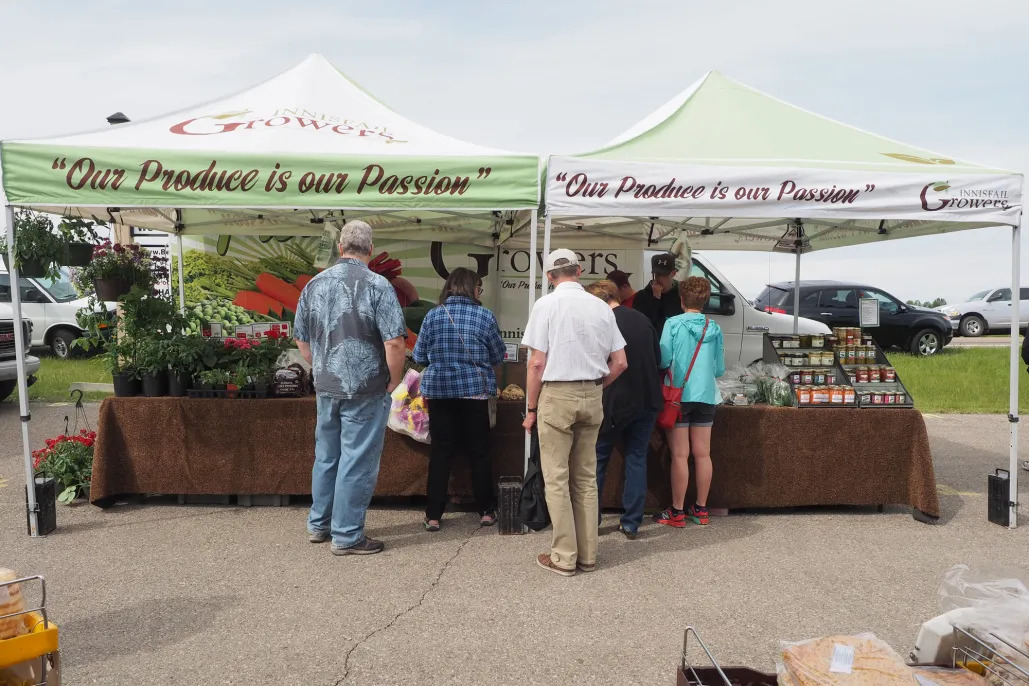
<point x="532" y="509"/>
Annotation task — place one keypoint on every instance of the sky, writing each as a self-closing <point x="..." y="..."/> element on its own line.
<point x="560" y="77"/>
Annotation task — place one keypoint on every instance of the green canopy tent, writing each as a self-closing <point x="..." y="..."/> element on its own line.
<point x="725" y="167"/>
<point x="305" y="148"/>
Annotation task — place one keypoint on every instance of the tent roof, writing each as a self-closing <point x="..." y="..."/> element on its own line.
<point x="774" y="164"/>
<point x="307" y="139"/>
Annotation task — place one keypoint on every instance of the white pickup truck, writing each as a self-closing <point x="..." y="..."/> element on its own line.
<point x="743" y="325"/>
<point x="9" y="360"/>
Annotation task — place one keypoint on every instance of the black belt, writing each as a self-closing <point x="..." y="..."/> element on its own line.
<point x="595" y="382"/>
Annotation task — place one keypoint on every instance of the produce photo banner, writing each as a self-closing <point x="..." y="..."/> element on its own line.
<point x="47" y="174"/>
<point x="248" y="279"/>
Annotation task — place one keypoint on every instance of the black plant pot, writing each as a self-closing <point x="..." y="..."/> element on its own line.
<point x="126" y="385"/>
<point x="155" y="385"/>
<point x="79" y="254"/>
<point x="179" y="383"/>
<point x="109" y="290"/>
<point x="31" y="269"/>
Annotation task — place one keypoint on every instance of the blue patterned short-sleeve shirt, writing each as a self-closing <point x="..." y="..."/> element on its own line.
<point x="345" y="313"/>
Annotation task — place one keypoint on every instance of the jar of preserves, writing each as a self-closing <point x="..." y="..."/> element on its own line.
<point x="874" y="375"/>
<point x="877" y="397"/>
<point x="848" y="395"/>
<point x="795" y="378"/>
<point x="902" y="398"/>
<point x="807" y="377"/>
<point x="866" y="339"/>
<point x="777" y="343"/>
<point x="828" y="359"/>
<point x="852" y="376"/>
<point x="817" y="340"/>
<point x="804" y="395"/>
<point x="835" y="395"/>
<point x="870" y="354"/>
<point x="805" y="340"/>
<point x="866" y="397"/>
<point x="814" y="358"/>
<point x="889" y="374"/>
<point x="818" y="377"/>
<point x="819" y="395"/>
<point x="860" y="357"/>
<point x="830" y="377"/>
<point x="851" y="355"/>
<point x="862" y="374"/>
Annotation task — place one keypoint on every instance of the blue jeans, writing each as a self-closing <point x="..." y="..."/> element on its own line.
<point x="635" y="437"/>
<point x="347" y="447"/>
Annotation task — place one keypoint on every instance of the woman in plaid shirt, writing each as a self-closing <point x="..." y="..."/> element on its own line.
<point x="460" y="342"/>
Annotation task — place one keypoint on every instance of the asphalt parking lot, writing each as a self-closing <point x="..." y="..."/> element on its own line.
<point x="164" y="594"/>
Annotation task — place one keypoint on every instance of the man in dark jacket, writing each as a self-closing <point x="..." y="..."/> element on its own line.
<point x="631" y="406"/>
<point x="659" y="299"/>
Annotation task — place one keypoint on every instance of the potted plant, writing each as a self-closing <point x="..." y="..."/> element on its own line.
<point x="152" y="363"/>
<point x="213" y="380"/>
<point x="105" y="331"/>
<point x="115" y="268"/>
<point x="69" y="461"/>
<point x="38" y="250"/>
<point x="188" y="356"/>
<point x="79" y="239"/>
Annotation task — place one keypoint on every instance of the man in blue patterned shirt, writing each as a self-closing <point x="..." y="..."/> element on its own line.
<point x="351" y="329"/>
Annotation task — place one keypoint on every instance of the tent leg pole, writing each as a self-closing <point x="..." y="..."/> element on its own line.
<point x="533" y="234"/>
<point x="20" y="349"/>
<point x="546" y="249"/>
<point x="182" y="288"/>
<point x="1016" y="369"/>
<point x="796" y="295"/>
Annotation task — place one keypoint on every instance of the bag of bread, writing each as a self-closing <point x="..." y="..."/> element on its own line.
<point x="944" y="676"/>
<point x="11" y="602"/>
<point x="861" y="660"/>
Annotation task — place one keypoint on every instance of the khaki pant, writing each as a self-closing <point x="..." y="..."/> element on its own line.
<point x="569" y="417"/>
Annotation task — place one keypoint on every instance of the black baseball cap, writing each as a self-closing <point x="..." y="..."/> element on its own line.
<point x="662" y="264"/>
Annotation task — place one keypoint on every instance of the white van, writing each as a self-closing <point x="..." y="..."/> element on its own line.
<point x="987" y="311"/>
<point x="743" y="325"/>
<point x="50" y="304"/>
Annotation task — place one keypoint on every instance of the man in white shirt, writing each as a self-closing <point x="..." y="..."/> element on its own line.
<point x="576" y="351"/>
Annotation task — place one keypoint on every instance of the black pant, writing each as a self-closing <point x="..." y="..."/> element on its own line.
<point x="459" y="425"/>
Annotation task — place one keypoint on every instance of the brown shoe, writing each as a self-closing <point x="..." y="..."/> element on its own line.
<point x="544" y="561"/>
<point x="583" y="567"/>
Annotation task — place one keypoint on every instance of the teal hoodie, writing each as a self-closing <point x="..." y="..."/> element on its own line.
<point x="678" y="341"/>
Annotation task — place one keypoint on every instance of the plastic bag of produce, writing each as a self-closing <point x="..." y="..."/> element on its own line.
<point x="408" y="413"/>
<point x="842" y="661"/>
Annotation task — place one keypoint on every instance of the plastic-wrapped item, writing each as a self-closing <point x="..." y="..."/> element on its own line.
<point x="997" y="600"/>
<point x="738" y="386"/>
<point x="409" y="413"/>
<point x="11" y="602"/>
<point x="944" y="676"/>
<point x="861" y="660"/>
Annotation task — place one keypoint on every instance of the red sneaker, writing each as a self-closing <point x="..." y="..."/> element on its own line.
<point x="698" y="515"/>
<point x="669" y="518"/>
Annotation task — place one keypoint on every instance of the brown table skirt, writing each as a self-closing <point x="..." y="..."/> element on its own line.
<point x="763" y="456"/>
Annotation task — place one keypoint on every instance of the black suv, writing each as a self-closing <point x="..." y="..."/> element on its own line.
<point x="916" y="329"/>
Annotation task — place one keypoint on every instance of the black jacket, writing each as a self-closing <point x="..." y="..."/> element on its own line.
<point x="658" y="311"/>
<point x="638" y="388"/>
<point x="1025" y="350"/>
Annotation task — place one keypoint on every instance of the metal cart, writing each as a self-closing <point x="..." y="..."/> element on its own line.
<point x="991" y="656"/>
<point x="689" y="675"/>
<point x="40" y="641"/>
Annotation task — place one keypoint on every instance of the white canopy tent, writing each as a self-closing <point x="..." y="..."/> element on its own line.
<point x="304" y="148"/>
<point x="730" y="168"/>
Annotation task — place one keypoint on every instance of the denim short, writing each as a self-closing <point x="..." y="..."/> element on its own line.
<point x="695" y="414"/>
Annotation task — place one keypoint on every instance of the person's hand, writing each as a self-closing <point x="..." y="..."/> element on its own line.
<point x="657" y="289"/>
<point x="390" y="387"/>
<point x="529" y="422"/>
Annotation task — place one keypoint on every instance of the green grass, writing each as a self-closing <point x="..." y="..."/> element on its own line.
<point x="965" y="380"/>
<point x="56" y="375"/>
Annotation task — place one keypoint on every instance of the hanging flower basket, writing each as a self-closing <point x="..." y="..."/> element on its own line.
<point x="79" y="254"/>
<point x="109" y="290"/>
<point x="30" y="269"/>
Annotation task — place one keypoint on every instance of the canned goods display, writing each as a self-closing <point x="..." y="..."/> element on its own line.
<point x="889" y="374"/>
<point x="848" y="395"/>
<point x="827" y="359"/>
<point x="817" y="341"/>
<point x="819" y="395"/>
<point x="830" y="377"/>
<point x="835" y="395"/>
<point x="862" y="374"/>
<point x="877" y="397"/>
<point x="814" y="358"/>
<point x="807" y="377"/>
<point x="795" y="378"/>
<point x="889" y="398"/>
<point x="874" y="375"/>
<point x="859" y="355"/>
<point x="803" y="395"/>
<point x="851" y="355"/>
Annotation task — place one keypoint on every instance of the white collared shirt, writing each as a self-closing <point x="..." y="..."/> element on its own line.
<point x="576" y="330"/>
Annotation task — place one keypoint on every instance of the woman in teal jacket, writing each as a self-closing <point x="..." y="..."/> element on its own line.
<point x="684" y="335"/>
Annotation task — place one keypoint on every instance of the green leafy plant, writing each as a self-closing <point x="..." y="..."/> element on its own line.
<point x="69" y="461"/>
<point x="35" y="240"/>
<point x="214" y="377"/>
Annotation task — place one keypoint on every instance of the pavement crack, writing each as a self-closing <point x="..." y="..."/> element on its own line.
<point x="386" y="627"/>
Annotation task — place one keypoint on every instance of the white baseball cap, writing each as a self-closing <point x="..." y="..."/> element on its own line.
<point x="562" y="257"/>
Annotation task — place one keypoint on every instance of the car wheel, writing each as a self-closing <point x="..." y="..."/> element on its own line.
<point x="6" y="388"/>
<point x="927" y="342"/>
<point x="60" y="344"/>
<point x="973" y="325"/>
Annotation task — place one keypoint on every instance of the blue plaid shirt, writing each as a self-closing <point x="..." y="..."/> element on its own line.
<point x="453" y="371"/>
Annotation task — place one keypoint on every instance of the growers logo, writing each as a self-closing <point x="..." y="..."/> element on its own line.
<point x="935" y="197"/>
<point x="243" y="120"/>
